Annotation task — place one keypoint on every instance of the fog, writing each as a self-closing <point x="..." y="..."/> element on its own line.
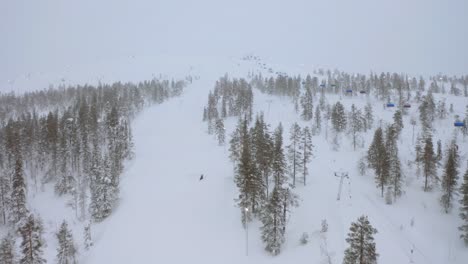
<point x="417" y="37"/>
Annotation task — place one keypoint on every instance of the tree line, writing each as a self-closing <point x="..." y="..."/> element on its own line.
<point x="75" y="139"/>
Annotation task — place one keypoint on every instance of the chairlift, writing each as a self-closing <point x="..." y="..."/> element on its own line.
<point x="349" y="91"/>
<point x="459" y="124"/>
<point x="322" y="85"/>
<point x="333" y="85"/>
<point x="407" y="105"/>
<point x="390" y="105"/>
<point x="362" y="92"/>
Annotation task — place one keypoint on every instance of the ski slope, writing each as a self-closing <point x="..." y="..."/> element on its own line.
<point x="167" y="215"/>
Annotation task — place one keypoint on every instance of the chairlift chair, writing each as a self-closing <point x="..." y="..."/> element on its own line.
<point x="459" y="124"/>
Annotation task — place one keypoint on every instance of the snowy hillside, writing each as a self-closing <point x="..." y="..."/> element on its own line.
<point x="111" y="130"/>
<point x="168" y="215"/>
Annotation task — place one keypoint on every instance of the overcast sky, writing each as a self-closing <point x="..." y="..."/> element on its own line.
<point x="415" y="36"/>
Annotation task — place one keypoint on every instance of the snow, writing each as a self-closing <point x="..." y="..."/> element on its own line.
<point x="166" y="215"/>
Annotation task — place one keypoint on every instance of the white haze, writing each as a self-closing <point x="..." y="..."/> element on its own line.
<point x="417" y="36"/>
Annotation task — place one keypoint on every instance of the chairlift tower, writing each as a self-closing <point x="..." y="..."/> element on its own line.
<point x="341" y="175"/>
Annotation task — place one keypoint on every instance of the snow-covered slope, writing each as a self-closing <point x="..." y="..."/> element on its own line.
<point x="167" y="215"/>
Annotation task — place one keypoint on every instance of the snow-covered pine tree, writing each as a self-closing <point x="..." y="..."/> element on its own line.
<point x="427" y="113"/>
<point x="464" y="208"/>
<point x="66" y="251"/>
<point x="262" y="147"/>
<point x="356" y="124"/>
<point x="318" y="121"/>
<point x="88" y="240"/>
<point x="306" y="151"/>
<point x="289" y="200"/>
<point x="220" y="131"/>
<point x="278" y="167"/>
<point x="109" y="191"/>
<point x="368" y="117"/>
<point x="272" y="220"/>
<point x="5" y="198"/>
<point x="377" y="157"/>
<point x="32" y="242"/>
<point x="441" y="110"/>
<point x="103" y="192"/>
<point x="362" y="248"/>
<point x="429" y="164"/>
<point x="338" y="117"/>
<point x="7" y="250"/>
<point x="439" y="151"/>
<point x="18" y="194"/>
<point x="398" y="121"/>
<point x="294" y="154"/>
<point x="306" y="104"/>
<point x="248" y="179"/>
<point x="235" y="143"/>
<point x="223" y="107"/>
<point x="327" y="116"/>
<point x="465" y="128"/>
<point x="395" y="175"/>
<point x="450" y="177"/>
<point x="65" y="180"/>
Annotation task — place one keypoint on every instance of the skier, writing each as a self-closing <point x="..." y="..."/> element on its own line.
<point x="201" y="177"/>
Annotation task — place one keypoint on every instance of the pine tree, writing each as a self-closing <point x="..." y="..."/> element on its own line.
<point x="378" y="160"/>
<point x="362" y="248"/>
<point x="306" y="104"/>
<point x="450" y="177"/>
<point x="464" y="208"/>
<point x="278" y="167"/>
<point x="247" y="178"/>
<point x="289" y="200"/>
<point x="7" y="251"/>
<point x="465" y="128"/>
<point x="272" y="229"/>
<point x="318" y="120"/>
<point x="439" y="151"/>
<point x="220" y="131"/>
<point x="104" y="192"/>
<point x="88" y="241"/>
<point x="32" y="241"/>
<point x="427" y="113"/>
<point x="398" y="121"/>
<point x="306" y="151"/>
<point x="18" y="194"/>
<point x="395" y="175"/>
<point x="368" y="117"/>
<point x="356" y="124"/>
<point x="5" y="198"/>
<point x="262" y="147"/>
<point x="223" y="107"/>
<point x="66" y="251"/>
<point x="235" y="143"/>
<point x="338" y="117"/>
<point x="429" y="164"/>
<point x="294" y="154"/>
